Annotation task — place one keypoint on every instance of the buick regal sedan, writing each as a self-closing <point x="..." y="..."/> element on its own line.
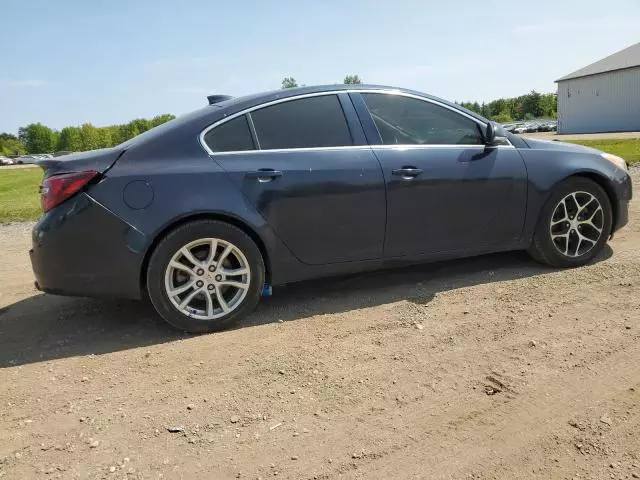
<point x="204" y="213"/>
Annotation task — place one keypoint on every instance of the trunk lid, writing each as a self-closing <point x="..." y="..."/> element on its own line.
<point x="96" y="160"/>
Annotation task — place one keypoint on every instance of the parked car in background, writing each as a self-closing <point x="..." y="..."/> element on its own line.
<point x="6" y="161"/>
<point x="204" y="213"/>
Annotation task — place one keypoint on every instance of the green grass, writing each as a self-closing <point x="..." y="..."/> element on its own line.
<point x="627" y="148"/>
<point x="19" y="198"/>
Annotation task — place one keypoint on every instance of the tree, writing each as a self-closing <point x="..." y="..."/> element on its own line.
<point x="503" y="117"/>
<point x="69" y="140"/>
<point x="549" y="105"/>
<point x="104" y="137"/>
<point x="126" y="132"/>
<point x="10" y="145"/>
<point x="289" y="82"/>
<point x="140" y="124"/>
<point x="531" y="104"/>
<point x="484" y="110"/>
<point x="352" y="80"/>
<point x="38" y="138"/>
<point x="89" y="139"/>
<point x="160" y="119"/>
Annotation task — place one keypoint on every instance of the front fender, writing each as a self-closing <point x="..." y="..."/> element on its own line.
<point x="547" y="168"/>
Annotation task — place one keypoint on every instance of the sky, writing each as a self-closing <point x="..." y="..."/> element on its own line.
<point x="71" y="62"/>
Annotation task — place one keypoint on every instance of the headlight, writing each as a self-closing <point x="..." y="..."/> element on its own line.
<point x="617" y="161"/>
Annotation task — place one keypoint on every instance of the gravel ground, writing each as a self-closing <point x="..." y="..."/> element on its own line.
<point x="487" y="368"/>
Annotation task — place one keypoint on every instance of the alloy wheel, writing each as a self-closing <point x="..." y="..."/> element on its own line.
<point x="576" y="224"/>
<point x="207" y="278"/>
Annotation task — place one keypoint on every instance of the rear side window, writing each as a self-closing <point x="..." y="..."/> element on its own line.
<point x="231" y="136"/>
<point x="404" y="120"/>
<point x="304" y="123"/>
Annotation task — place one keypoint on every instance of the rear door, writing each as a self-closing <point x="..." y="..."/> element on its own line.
<point x="446" y="191"/>
<point x="305" y="166"/>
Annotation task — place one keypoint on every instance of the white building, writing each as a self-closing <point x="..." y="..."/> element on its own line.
<point x="603" y="96"/>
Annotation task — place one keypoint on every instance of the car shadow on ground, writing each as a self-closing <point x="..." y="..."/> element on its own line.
<point x="47" y="327"/>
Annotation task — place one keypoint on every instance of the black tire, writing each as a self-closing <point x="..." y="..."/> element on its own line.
<point x="180" y="237"/>
<point x="542" y="247"/>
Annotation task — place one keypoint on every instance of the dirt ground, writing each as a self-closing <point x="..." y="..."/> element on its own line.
<point x="487" y="368"/>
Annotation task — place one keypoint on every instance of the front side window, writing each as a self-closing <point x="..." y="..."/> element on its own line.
<point x="409" y="121"/>
<point x="231" y="136"/>
<point x="304" y="123"/>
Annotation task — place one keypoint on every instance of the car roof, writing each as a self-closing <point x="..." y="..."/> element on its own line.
<point x="252" y="100"/>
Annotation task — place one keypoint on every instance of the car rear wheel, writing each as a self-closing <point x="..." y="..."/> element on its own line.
<point x="574" y="224"/>
<point x="205" y="276"/>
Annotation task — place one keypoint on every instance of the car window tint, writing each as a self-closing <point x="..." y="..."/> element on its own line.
<point x="404" y="120"/>
<point x="231" y="136"/>
<point x="304" y="123"/>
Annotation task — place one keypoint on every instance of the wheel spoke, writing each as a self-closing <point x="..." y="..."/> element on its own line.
<point x="213" y="246"/>
<point x="209" y="300"/>
<point x="581" y="209"/>
<point x="595" y="212"/>
<point x="565" y="236"/>
<point x="229" y="283"/>
<point x="189" y="256"/>
<point x="592" y="225"/>
<point x="566" y="213"/>
<point x="578" y="246"/>
<point x="575" y="201"/>
<point x="189" y="297"/>
<point x="225" y="254"/>
<point x="223" y="303"/>
<point x="181" y="289"/>
<point x="582" y="237"/>
<point x="235" y="272"/>
<point x="183" y="267"/>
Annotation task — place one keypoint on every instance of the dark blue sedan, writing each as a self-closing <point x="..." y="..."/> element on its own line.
<point x="204" y="213"/>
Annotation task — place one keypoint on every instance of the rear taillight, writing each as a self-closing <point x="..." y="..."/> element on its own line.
<point x="55" y="190"/>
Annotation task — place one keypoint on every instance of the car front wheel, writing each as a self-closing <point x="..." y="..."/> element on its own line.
<point x="205" y="276"/>
<point x="574" y="224"/>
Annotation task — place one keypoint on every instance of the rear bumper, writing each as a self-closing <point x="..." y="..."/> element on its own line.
<point x="82" y="249"/>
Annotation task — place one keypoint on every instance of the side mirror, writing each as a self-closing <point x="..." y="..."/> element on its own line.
<point x="490" y="134"/>
<point x="495" y="135"/>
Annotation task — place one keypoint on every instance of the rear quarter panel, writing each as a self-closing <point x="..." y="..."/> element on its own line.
<point x="185" y="183"/>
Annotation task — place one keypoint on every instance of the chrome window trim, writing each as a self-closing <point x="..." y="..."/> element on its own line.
<point x="362" y="147"/>
<point x="247" y="111"/>
<point x="302" y="149"/>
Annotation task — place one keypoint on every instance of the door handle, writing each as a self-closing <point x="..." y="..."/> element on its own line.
<point x="264" y="174"/>
<point x="407" y="172"/>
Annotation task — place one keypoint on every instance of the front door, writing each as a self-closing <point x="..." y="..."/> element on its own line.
<point x="321" y="194"/>
<point x="446" y="191"/>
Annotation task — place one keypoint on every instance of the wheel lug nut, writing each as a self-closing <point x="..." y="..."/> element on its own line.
<point x="210" y="287"/>
<point x="212" y="268"/>
<point x="199" y="283"/>
<point x="200" y="271"/>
